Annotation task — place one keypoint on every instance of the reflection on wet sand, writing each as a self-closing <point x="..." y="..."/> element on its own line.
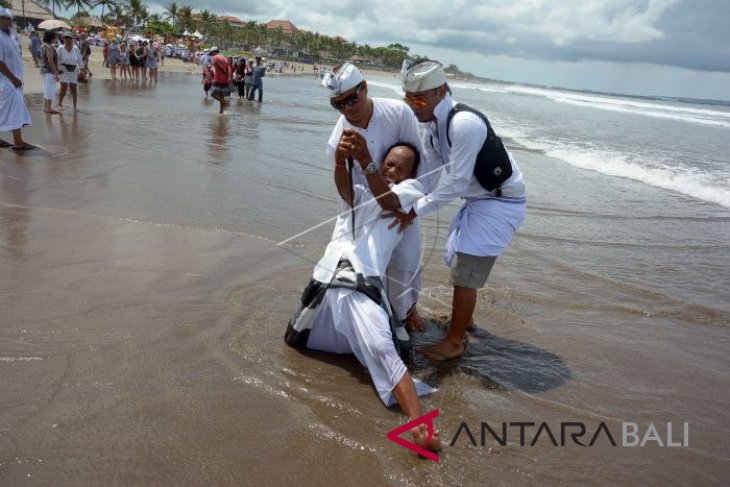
<point x="14" y="212"/>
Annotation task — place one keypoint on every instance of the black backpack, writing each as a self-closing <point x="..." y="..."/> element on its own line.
<point x="492" y="167"/>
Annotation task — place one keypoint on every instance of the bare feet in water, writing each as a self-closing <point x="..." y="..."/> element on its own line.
<point x="420" y="438"/>
<point x="413" y="320"/>
<point x="442" y="351"/>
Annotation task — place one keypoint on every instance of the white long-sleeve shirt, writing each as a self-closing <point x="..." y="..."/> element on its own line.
<point x="392" y="121"/>
<point x="468" y="133"/>
<point x="73" y="57"/>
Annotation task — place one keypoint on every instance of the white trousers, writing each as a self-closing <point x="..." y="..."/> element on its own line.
<point x="49" y="86"/>
<point x="404" y="271"/>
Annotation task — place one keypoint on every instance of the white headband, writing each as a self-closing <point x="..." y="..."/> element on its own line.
<point x="346" y="78"/>
<point x="422" y="76"/>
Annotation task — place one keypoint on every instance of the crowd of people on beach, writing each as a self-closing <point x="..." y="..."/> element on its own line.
<point x="223" y="76"/>
<point x="363" y="295"/>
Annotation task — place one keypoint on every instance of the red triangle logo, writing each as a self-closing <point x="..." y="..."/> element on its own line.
<point x="427" y="419"/>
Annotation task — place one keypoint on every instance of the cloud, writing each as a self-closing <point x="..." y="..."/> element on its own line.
<point x="684" y="33"/>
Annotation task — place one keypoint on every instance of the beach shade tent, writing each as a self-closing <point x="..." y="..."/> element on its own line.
<point x="186" y="33"/>
<point x="197" y="35"/>
<point x="54" y="24"/>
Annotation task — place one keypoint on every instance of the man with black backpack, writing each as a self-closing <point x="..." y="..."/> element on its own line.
<point x="481" y="171"/>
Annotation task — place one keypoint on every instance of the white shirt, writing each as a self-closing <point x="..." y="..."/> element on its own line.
<point x="468" y="133"/>
<point x="10" y="55"/>
<point x="392" y="121"/>
<point x="205" y="59"/>
<point x="372" y="248"/>
<point x="73" y="57"/>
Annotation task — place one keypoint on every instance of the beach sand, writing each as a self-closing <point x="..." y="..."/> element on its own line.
<point x="144" y="295"/>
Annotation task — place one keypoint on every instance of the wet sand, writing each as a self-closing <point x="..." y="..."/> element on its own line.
<point x="144" y="299"/>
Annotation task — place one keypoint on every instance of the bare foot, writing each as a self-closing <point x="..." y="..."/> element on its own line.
<point x="421" y="438"/>
<point x="444" y="319"/>
<point x="442" y="351"/>
<point x="23" y="147"/>
<point x="413" y="320"/>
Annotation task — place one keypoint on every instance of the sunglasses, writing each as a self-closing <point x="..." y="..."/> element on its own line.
<point x="417" y="100"/>
<point x="350" y="100"/>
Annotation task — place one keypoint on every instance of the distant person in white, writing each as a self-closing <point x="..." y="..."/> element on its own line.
<point x="205" y="58"/>
<point x="70" y="62"/>
<point x="484" y="226"/>
<point x="380" y="123"/>
<point x="13" y="113"/>
<point x="344" y="308"/>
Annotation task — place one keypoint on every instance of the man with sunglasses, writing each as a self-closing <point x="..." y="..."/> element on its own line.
<point x="462" y="140"/>
<point x="365" y="130"/>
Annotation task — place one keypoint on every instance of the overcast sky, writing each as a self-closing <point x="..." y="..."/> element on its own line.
<point x="662" y="47"/>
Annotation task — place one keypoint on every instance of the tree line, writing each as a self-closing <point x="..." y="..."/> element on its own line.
<point x="177" y="18"/>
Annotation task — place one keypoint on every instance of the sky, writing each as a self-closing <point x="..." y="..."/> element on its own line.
<point x="645" y="47"/>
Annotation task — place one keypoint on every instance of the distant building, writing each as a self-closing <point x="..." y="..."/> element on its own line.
<point x="235" y="22"/>
<point x="287" y="27"/>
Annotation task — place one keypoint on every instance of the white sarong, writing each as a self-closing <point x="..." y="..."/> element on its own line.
<point x="347" y="321"/>
<point x="484" y="227"/>
<point x="13" y="114"/>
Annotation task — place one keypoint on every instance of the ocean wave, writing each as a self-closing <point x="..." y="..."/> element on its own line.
<point x="656" y="110"/>
<point x="706" y="187"/>
<point x="615" y="107"/>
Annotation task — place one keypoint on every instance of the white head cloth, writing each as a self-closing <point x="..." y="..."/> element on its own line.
<point x="344" y="79"/>
<point x="422" y="76"/>
<point x="6" y="12"/>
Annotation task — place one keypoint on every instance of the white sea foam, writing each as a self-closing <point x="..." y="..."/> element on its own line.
<point x="713" y="188"/>
<point x="651" y="170"/>
<point x="656" y="110"/>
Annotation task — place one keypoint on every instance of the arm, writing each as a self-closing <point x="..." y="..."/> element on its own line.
<point x="9" y="74"/>
<point x="355" y="145"/>
<point x="79" y="60"/>
<point x="337" y="157"/>
<point x="342" y="181"/>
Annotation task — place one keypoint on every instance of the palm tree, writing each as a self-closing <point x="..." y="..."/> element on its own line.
<point x="52" y="4"/>
<point x="172" y="12"/>
<point x="207" y="19"/>
<point x="185" y="16"/>
<point x="136" y="10"/>
<point x="78" y="4"/>
<point x="104" y="4"/>
<point x="117" y="11"/>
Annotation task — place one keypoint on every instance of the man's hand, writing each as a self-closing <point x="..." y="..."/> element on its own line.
<point x="356" y="147"/>
<point x="405" y="220"/>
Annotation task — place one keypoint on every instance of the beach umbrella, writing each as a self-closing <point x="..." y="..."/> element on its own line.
<point x="54" y="24"/>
